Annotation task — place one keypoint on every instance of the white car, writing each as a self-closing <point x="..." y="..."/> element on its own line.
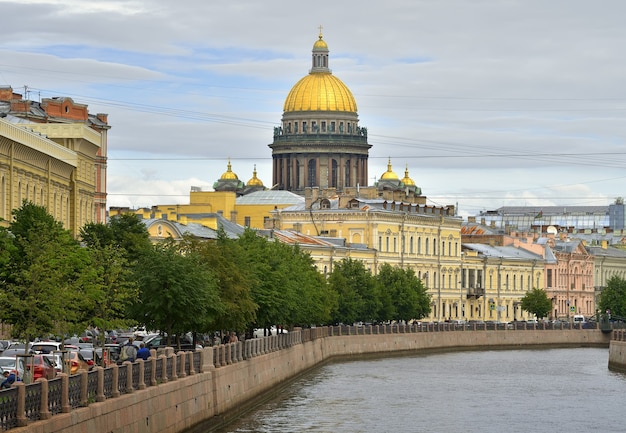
<point x="7" y="363"/>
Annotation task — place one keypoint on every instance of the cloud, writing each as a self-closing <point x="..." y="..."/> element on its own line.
<point x="488" y="103"/>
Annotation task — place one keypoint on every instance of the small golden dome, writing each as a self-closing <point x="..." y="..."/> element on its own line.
<point x="320" y="91"/>
<point x="255" y="181"/>
<point x="320" y="44"/>
<point x="407" y="180"/>
<point x="229" y="175"/>
<point x="389" y="174"/>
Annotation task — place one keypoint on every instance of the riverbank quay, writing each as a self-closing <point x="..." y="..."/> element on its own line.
<point x="199" y="391"/>
<point x="617" y="351"/>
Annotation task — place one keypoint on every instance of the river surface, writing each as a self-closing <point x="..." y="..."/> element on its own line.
<point x="529" y="391"/>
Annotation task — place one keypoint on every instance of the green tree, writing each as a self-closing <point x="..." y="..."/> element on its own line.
<point x="409" y="297"/>
<point x="613" y="297"/>
<point x="130" y="234"/>
<point x="536" y="302"/>
<point x="224" y="258"/>
<point x="177" y="293"/>
<point x="357" y="292"/>
<point x="47" y="275"/>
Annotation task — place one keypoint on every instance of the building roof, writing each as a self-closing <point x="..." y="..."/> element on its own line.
<point x="231" y="229"/>
<point x="508" y="252"/>
<point x="270" y="196"/>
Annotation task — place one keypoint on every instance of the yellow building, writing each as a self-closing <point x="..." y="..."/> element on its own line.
<point x="246" y="204"/>
<point x="53" y="158"/>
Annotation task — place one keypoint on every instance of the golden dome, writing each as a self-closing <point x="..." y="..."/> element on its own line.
<point x="320" y="90"/>
<point x="320" y="44"/>
<point x="407" y="180"/>
<point x="389" y="174"/>
<point x="255" y="181"/>
<point x="229" y="175"/>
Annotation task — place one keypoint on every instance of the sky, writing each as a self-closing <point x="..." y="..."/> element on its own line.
<point x="488" y="103"/>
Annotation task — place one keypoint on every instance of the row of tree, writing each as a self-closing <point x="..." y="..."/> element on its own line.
<point x="114" y="277"/>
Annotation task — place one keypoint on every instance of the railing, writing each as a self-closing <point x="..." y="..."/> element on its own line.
<point x="22" y="403"/>
<point x="44" y="398"/>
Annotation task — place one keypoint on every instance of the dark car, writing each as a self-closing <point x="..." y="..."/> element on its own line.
<point x="158" y="341"/>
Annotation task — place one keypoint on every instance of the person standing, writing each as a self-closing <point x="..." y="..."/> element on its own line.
<point x="143" y="352"/>
<point x="130" y="351"/>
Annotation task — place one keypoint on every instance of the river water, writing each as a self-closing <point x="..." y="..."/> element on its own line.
<point x="529" y="391"/>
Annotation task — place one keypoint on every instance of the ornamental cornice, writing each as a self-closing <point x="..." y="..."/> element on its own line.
<point x="37" y="142"/>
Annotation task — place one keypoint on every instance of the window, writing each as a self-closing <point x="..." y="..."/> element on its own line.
<point x="312" y="174"/>
<point x="549" y="277"/>
<point x="426" y="247"/>
<point x="246" y="222"/>
<point x="323" y="126"/>
<point x="333" y="173"/>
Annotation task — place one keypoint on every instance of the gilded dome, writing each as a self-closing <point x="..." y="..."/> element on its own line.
<point x="320" y="44"/>
<point x="255" y="181"/>
<point x="320" y="90"/>
<point x="389" y="174"/>
<point x="407" y="180"/>
<point x="229" y="175"/>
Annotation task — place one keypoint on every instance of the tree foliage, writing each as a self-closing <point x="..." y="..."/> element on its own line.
<point x="47" y="275"/>
<point x="286" y="286"/>
<point x="613" y="297"/>
<point x="536" y="302"/>
<point x="225" y="258"/>
<point x="357" y="292"/>
<point x="409" y="298"/>
<point x="177" y="294"/>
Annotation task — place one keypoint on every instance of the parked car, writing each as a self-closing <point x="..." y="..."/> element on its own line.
<point x="42" y="366"/>
<point x="77" y="362"/>
<point x="46" y="347"/>
<point x="9" y="363"/>
<point x="57" y="361"/>
<point x="158" y="341"/>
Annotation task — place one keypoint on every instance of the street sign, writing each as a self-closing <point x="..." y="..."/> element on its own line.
<point x="572" y="309"/>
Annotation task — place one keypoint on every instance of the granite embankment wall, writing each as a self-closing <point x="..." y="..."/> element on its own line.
<point x="236" y="377"/>
<point x="617" y="351"/>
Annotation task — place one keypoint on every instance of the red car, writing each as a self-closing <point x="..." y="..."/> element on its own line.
<point x="42" y="367"/>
